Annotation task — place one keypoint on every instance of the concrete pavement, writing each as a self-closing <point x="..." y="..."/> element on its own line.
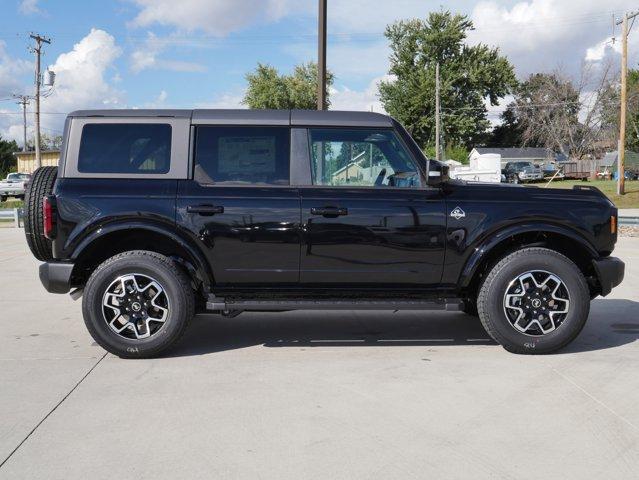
<point x="339" y="395"/>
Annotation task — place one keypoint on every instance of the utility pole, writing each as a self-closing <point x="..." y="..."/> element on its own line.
<point x="23" y="100"/>
<point x="39" y="39"/>
<point x="621" y="150"/>
<point x="321" y="56"/>
<point x="438" y="153"/>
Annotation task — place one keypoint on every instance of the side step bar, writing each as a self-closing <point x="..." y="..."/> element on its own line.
<point x="221" y="305"/>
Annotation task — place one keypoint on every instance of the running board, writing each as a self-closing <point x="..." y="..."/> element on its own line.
<point x="220" y="304"/>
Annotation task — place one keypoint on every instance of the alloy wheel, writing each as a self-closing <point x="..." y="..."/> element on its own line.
<point x="536" y="302"/>
<point x="135" y="306"/>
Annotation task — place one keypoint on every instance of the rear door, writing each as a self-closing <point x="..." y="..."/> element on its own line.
<point x="240" y="206"/>
<point x="369" y="219"/>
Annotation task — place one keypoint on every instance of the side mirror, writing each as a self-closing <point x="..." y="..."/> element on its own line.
<point x="437" y="173"/>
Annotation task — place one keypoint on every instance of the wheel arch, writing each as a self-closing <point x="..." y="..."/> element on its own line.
<point x="501" y="243"/>
<point x="113" y="239"/>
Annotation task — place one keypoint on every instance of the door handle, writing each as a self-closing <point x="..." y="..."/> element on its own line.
<point x="329" y="211"/>
<point x="206" y="210"/>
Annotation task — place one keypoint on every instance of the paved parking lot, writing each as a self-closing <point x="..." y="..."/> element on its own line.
<point x="353" y="395"/>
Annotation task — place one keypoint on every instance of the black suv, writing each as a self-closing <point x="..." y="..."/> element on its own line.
<point x="154" y="215"/>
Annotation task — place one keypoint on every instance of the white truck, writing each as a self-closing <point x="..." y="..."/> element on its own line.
<point x="484" y="168"/>
<point x="13" y="186"/>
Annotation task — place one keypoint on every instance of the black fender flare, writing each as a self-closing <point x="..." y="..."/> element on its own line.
<point x="200" y="262"/>
<point x="483" y="248"/>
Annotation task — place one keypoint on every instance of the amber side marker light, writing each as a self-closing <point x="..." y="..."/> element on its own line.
<point x="613" y="224"/>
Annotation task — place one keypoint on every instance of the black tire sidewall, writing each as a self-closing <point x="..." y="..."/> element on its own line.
<point x="40" y="185"/>
<point x="579" y="309"/>
<point x="180" y="311"/>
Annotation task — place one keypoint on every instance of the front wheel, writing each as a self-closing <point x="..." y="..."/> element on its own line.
<point x="534" y="301"/>
<point x="137" y="304"/>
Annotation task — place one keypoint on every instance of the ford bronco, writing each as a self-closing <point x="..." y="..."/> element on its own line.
<point x="155" y="215"/>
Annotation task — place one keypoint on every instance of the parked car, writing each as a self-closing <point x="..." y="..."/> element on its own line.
<point x="155" y="215"/>
<point x="522" y="172"/>
<point x="13" y="186"/>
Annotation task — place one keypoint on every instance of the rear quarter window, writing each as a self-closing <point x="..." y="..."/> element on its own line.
<point x="134" y="148"/>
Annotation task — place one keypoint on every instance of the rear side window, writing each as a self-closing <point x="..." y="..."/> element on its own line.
<point x="131" y="148"/>
<point x="242" y="155"/>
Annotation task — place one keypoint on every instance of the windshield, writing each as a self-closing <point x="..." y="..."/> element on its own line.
<point x="520" y="165"/>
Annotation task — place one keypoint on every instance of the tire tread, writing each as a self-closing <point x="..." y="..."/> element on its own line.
<point x="41" y="184"/>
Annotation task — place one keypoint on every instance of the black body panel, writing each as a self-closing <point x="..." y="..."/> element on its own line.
<point x="254" y="241"/>
<point x="87" y="205"/>
<point x="385" y="237"/>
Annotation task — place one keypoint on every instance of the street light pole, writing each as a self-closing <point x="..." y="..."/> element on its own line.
<point x="321" y="57"/>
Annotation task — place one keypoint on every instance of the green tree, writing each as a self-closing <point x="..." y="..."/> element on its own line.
<point x="574" y="117"/>
<point x="7" y="159"/>
<point x="632" y="125"/>
<point x="47" y="142"/>
<point x="509" y="133"/>
<point x="469" y="75"/>
<point x="452" y="152"/>
<point x="268" y="89"/>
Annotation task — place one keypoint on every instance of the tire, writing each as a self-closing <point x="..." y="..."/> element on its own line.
<point x="3" y="199"/>
<point x="40" y="185"/>
<point x="504" y="278"/>
<point x="179" y="304"/>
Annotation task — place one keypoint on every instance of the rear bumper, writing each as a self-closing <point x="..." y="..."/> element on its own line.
<point x="610" y="272"/>
<point x="56" y="276"/>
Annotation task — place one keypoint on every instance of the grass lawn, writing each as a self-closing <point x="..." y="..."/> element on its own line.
<point x="608" y="187"/>
<point x="11" y="204"/>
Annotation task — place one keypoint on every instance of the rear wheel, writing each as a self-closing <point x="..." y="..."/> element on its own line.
<point x="534" y="301"/>
<point x="40" y="185"/>
<point x="137" y="304"/>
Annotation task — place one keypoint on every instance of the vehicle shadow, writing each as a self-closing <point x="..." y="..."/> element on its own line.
<point x="612" y="323"/>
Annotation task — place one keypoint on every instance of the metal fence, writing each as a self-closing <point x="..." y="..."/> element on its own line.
<point x="16" y="214"/>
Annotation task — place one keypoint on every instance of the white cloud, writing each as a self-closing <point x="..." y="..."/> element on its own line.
<point x="597" y="52"/>
<point x="29" y="7"/>
<point x="81" y="75"/>
<point x="541" y="35"/>
<point x="159" y="101"/>
<point x="147" y="57"/>
<point x="81" y="82"/>
<point x="214" y="17"/>
<point x="343" y="98"/>
<point x="232" y="99"/>
<point x="11" y="73"/>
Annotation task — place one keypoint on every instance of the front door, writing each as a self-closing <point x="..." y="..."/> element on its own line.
<point x="368" y="218"/>
<point x="239" y="205"/>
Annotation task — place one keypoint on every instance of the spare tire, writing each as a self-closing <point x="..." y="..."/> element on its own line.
<point x="40" y="185"/>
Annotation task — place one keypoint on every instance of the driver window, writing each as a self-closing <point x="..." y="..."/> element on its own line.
<point x="361" y="158"/>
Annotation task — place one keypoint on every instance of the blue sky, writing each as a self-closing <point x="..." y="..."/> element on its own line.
<point x="195" y="53"/>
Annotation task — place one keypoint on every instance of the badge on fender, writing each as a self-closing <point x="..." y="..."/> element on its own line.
<point x="457" y="213"/>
